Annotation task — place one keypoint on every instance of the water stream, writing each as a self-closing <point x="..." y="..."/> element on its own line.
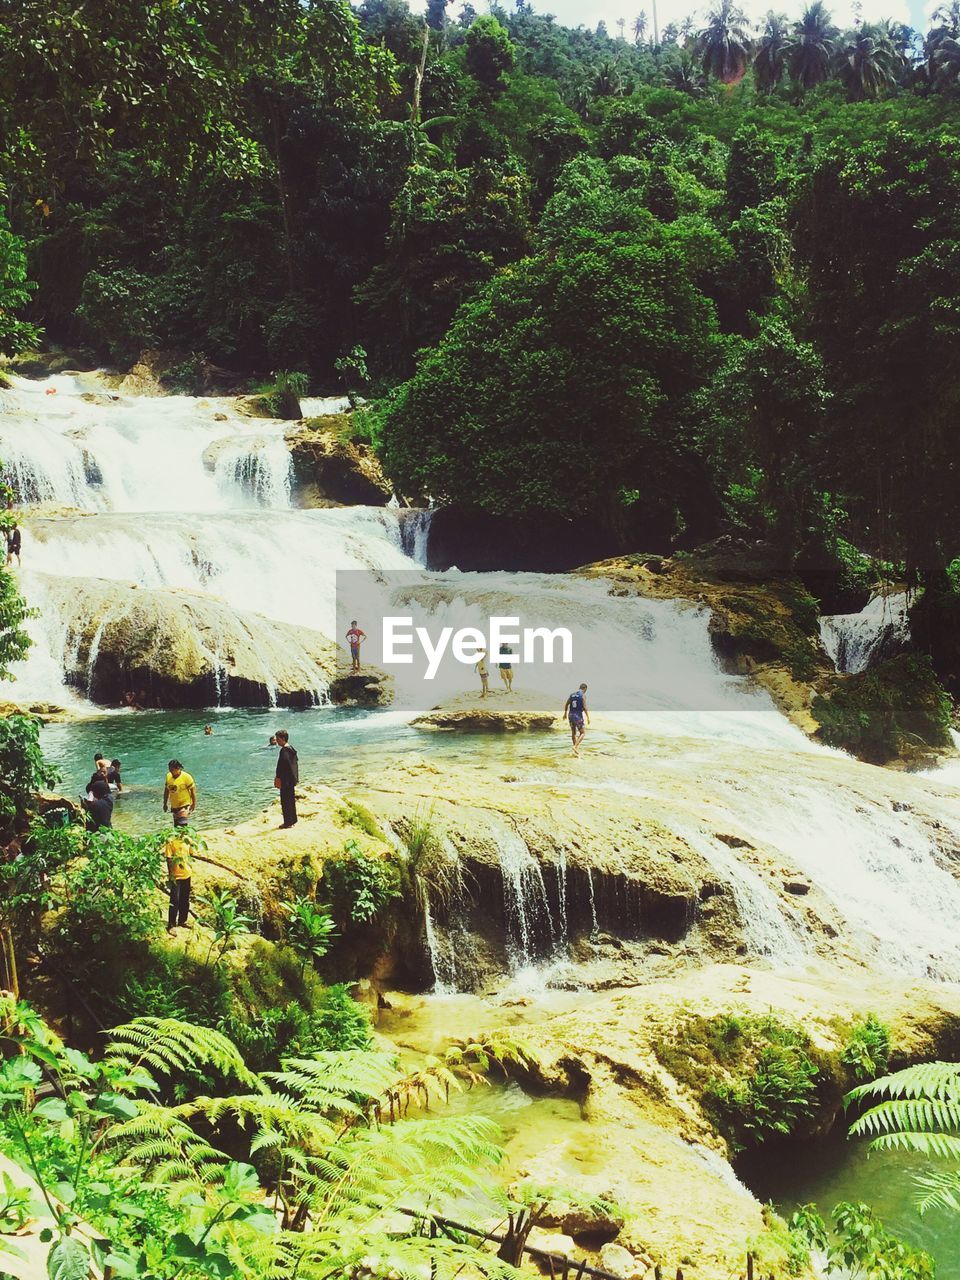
<point x="187" y="498"/>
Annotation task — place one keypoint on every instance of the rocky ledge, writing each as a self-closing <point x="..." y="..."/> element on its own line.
<point x="330" y="468"/>
<point x="499" y="712"/>
<point x="129" y="645"/>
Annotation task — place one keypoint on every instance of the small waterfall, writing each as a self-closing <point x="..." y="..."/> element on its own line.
<point x="530" y="929"/>
<point x="594" y="923"/>
<point x="855" y="641"/>
<point x="257" y="470"/>
<point x="415" y="533"/>
<point x="766" y="931"/>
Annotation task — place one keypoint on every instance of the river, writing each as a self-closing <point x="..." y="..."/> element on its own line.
<point x="187" y="499"/>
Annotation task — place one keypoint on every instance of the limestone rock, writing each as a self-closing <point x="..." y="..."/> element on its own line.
<point x="331" y="470"/>
<point x="582" y="1220"/>
<point x="498" y="713"/>
<point x="620" y="1262"/>
<point x="180" y="649"/>
<point x="552" y="1242"/>
<point x="369" y="688"/>
<point x="145" y="378"/>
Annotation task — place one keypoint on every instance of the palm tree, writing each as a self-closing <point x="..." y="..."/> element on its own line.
<point x="770" y="60"/>
<point x="606" y="81"/>
<point x="944" y="65"/>
<point x="724" y="43"/>
<point x="870" y="62"/>
<point x="812" y="48"/>
<point x="943" y="34"/>
<point x="640" y="26"/>
<point x="685" y="75"/>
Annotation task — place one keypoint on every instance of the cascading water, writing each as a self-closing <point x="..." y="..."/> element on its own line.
<point x="184" y="503"/>
<point x="855" y="641"/>
<point x="176" y="495"/>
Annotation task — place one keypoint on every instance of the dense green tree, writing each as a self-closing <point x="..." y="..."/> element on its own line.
<point x="751" y="170"/>
<point x="490" y="54"/>
<point x="880" y="228"/>
<point x="568" y="380"/>
<point x="15" y="290"/>
<point x="775" y="390"/>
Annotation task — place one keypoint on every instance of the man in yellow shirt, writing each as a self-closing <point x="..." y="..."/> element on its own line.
<point x="179" y="794"/>
<point x="177" y="852"/>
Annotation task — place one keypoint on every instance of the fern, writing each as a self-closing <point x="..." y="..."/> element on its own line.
<point x="169" y="1046"/>
<point x="918" y="1111"/>
<point x="337" y="1081"/>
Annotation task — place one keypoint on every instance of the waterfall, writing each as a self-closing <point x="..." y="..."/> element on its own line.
<point x="855" y="641"/>
<point x="258" y="471"/>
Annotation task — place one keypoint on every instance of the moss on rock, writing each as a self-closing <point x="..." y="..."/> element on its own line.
<point x="895" y="711"/>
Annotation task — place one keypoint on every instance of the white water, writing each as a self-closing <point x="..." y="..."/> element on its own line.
<point x="168" y="496"/>
<point x="854" y="641"/>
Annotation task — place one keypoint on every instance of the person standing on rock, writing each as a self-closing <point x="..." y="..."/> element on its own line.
<point x="506" y="668"/>
<point x="13" y="544"/>
<point x="483" y="671"/>
<point x="575" y="710"/>
<point x="179" y="794"/>
<point x="355" y="638"/>
<point x="177" y="852"/>
<point x="287" y="777"/>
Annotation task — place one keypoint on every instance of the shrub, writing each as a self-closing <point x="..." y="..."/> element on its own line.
<point x="867" y="1050"/>
<point x="880" y="713"/>
<point x="777" y="1094"/>
<point x="755" y="1076"/>
<point x="23" y="769"/>
<point x="359" y="887"/>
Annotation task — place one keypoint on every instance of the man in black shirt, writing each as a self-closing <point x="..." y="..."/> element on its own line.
<point x="100" y="808"/>
<point x="287" y="777"/>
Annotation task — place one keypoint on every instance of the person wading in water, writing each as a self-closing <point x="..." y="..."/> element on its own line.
<point x="575" y="709"/>
<point x="287" y="777"/>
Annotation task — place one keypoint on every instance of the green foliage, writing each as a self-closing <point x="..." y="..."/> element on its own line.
<point x="755" y="1076"/>
<point x="15" y="291"/>
<point x="867" y="1050"/>
<point x="292" y="1174"/>
<point x="895" y="708"/>
<point x="359" y="887"/>
<point x="309" y="930"/>
<point x="489" y="53"/>
<point x="280" y="397"/>
<point x="862" y="1247"/>
<point x="23" y="770"/>
<point x="227" y="923"/>
<point x="339" y="1023"/>
<point x="14" y="641"/>
<point x="597" y="347"/>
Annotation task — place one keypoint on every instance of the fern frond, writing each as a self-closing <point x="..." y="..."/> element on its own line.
<point x="927" y="1080"/>
<point x="918" y="1114"/>
<point x="168" y="1045"/>
<point x="337" y="1081"/>
<point x="938" y="1190"/>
